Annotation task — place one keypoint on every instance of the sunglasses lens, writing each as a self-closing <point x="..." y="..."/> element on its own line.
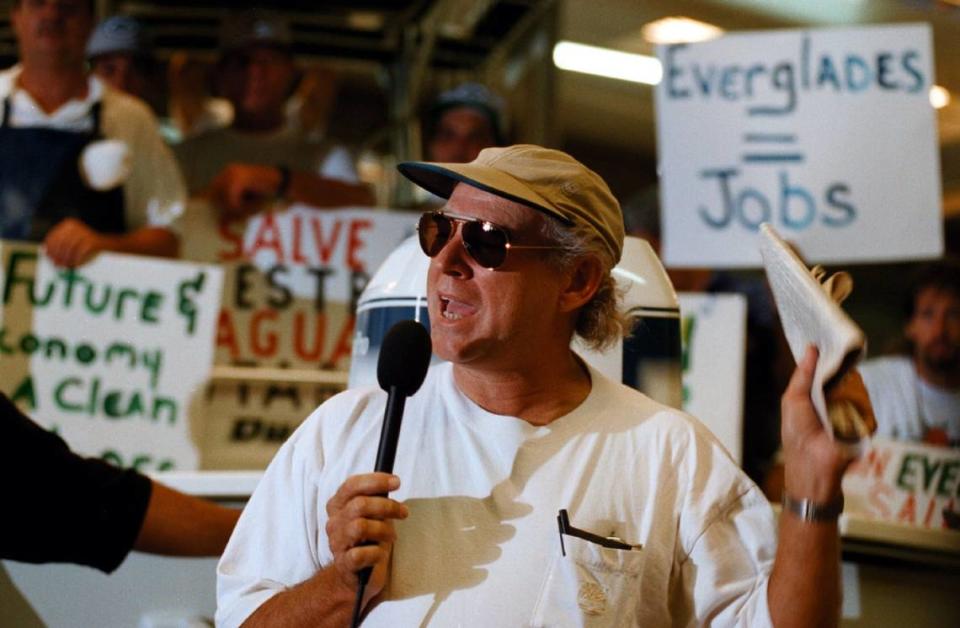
<point x="434" y="231"/>
<point x="486" y="243"/>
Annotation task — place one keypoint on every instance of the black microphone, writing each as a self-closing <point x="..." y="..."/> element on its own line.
<point x="401" y="368"/>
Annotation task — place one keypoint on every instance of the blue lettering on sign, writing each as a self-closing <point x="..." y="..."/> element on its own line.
<point x="859" y="77"/>
<point x="790" y="205"/>
<point x="723" y="175"/>
<point x="918" y="79"/>
<point x="828" y="74"/>
<point x="775" y="87"/>
<point x="672" y="73"/>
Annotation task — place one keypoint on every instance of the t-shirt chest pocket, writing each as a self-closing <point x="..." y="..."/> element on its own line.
<point x="592" y="586"/>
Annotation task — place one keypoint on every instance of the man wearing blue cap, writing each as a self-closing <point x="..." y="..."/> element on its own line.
<point x="529" y="489"/>
<point x="463" y="121"/>
<point x="120" y="54"/>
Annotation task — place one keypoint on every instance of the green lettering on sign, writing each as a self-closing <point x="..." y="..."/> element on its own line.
<point x="25" y="393"/>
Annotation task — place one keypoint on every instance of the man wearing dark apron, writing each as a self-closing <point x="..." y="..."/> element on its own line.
<point x="123" y="194"/>
<point x="41" y="184"/>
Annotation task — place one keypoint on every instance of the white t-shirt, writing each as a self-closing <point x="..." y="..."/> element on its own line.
<point x="907" y="407"/>
<point x="481" y="546"/>
<point x="154" y="194"/>
<point x="203" y="156"/>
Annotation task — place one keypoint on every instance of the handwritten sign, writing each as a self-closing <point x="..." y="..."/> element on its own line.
<point x="828" y="135"/>
<point x="907" y="483"/>
<point x="110" y="354"/>
<point x="713" y="330"/>
<point x="292" y="280"/>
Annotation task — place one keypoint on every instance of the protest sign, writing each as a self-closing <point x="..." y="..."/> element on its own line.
<point x="292" y="280"/>
<point x="713" y="330"/>
<point x="111" y="354"/>
<point x="827" y="134"/>
<point x="907" y="483"/>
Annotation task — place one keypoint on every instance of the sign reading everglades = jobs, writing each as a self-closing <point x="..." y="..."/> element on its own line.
<point x="829" y="135"/>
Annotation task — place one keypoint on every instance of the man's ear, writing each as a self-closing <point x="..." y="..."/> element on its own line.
<point x="583" y="281"/>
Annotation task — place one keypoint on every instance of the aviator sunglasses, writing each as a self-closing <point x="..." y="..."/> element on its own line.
<point x="484" y="241"/>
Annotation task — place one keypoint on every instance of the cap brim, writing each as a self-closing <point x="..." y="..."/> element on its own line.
<point x="441" y="178"/>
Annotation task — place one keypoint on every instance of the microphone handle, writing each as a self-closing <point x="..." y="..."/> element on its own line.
<point x="390" y="432"/>
<point x="387" y="450"/>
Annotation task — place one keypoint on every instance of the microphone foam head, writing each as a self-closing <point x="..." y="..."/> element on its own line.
<point x="404" y="357"/>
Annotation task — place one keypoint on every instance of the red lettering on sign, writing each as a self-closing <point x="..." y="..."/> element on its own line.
<point x="343" y="347"/>
<point x="263" y="344"/>
<point x="874" y="464"/>
<point x="297" y="256"/>
<point x="927" y="517"/>
<point x="232" y="237"/>
<point x="908" y="512"/>
<point x="226" y="334"/>
<point x="324" y="249"/>
<point x="268" y="237"/>
<point x="299" y="332"/>
<point x="879" y="498"/>
<point x="355" y="243"/>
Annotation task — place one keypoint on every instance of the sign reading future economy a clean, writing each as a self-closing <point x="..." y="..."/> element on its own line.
<point x="829" y="135"/>
<point x="111" y="354"/>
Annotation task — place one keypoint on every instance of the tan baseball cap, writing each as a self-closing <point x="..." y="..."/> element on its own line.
<point x="547" y="180"/>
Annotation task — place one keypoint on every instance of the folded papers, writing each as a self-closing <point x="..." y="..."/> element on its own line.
<point x="810" y="313"/>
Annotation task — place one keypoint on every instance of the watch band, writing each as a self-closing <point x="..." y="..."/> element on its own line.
<point x="809" y="510"/>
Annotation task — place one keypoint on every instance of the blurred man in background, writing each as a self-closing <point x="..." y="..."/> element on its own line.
<point x="260" y="159"/>
<point x="462" y="122"/>
<point x="53" y="114"/>
<point x="121" y="56"/>
<point x="916" y="396"/>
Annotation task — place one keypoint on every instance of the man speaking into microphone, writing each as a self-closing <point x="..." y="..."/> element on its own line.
<point x="528" y="489"/>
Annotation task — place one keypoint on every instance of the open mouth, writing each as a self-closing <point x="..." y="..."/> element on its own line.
<point x="453" y="310"/>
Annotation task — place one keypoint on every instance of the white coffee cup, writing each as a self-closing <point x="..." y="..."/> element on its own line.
<point x="105" y="164"/>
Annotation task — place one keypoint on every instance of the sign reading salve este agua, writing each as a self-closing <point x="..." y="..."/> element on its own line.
<point x="111" y="355"/>
<point x="829" y="135"/>
<point x="292" y="277"/>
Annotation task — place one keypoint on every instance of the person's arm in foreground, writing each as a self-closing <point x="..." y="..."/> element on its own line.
<point x="804" y="588"/>
<point x="242" y="190"/>
<point x="72" y="243"/>
<point x="177" y="524"/>
<point x="355" y="514"/>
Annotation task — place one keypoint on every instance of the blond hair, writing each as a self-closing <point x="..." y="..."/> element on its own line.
<point x="600" y="322"/>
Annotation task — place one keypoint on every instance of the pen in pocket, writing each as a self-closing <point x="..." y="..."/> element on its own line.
<point x="563" y="521"/>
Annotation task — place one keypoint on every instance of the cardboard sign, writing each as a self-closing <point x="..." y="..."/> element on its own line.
<point x="245" y="422"/>
<point x="906" y="483"/>
<point x="111" y="354"/>
<point x="828" y="135"/>
<point x="292" y="280"/>
<point x="714" y="333"/>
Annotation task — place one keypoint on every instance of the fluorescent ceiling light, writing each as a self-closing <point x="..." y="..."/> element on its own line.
<point x="625" y="66"/>
<point x="679" y="30"/>
<point x="939" y="97"/>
